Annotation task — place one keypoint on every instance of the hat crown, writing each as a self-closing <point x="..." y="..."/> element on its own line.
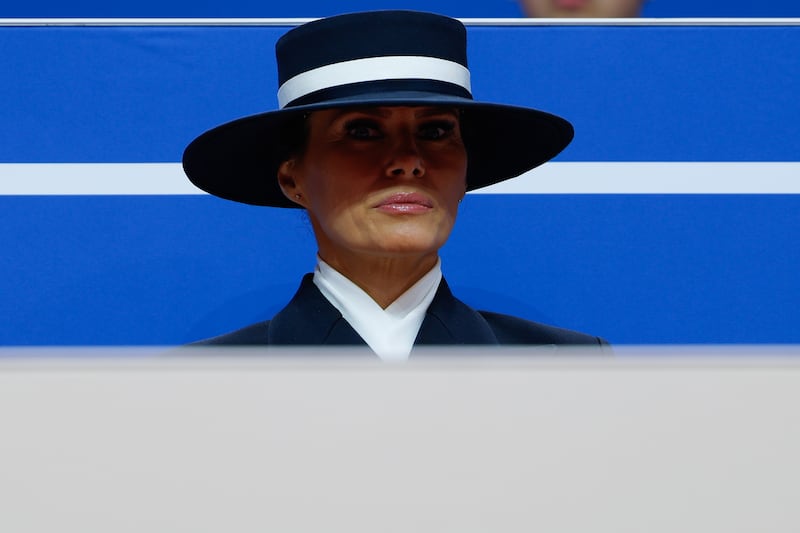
<point x="353" y="36"/>
<point x="378" y="52"/>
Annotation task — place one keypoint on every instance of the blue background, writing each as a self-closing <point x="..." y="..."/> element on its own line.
<point x="633" y="94"/>
<point x="318" y="8"/>
<point x="110" y="270"/>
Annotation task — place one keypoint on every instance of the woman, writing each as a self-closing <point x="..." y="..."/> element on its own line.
<point x="582" y="8"/>
<point x="378" y="138"/>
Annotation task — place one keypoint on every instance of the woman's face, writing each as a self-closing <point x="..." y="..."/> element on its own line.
<point x="380" y="181"/>
<point x="582" y="8"/>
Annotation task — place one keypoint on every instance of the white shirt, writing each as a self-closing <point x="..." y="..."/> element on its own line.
<point x="389" y="332"/>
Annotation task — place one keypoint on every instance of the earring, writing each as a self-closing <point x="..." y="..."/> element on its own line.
<point x="298" y="196"/>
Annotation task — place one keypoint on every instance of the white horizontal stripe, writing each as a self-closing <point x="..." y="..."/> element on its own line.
<point x="373" y="69"/>
<point x="94" y="178"/>
<point x="664" y="21"/>
<point x="520" y="21"/>
<point x="552" y="178"/>
<point x="656" y="178"/>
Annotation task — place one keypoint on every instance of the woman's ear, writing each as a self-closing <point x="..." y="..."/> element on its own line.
<point x="288" y="184"/>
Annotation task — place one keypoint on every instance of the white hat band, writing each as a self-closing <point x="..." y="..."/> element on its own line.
<point x="373" y="69"/>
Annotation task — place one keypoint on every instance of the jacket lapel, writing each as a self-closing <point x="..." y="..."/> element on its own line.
<point x="309" y="319"/>
<point x="451" y="321"/>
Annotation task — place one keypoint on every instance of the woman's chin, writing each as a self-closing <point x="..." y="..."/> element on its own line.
<point x="406" y="245"/>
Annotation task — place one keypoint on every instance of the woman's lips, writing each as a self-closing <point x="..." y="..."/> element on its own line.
<point x="405" y="203"/>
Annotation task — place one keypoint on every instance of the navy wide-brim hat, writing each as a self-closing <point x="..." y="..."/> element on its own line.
<point x="380" y="58"/>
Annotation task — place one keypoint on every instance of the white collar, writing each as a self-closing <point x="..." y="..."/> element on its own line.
<point x="390" y="332"/>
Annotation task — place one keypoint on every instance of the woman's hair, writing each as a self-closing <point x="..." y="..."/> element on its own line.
<point x="294" y="137"/>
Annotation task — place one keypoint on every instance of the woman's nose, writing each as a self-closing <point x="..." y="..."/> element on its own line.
<point x="405" y="160"/>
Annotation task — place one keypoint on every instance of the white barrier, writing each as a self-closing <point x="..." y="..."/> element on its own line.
<point x="707" y="443"/>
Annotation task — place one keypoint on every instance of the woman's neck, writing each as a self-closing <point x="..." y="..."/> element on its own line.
<point x="383" y="278"/>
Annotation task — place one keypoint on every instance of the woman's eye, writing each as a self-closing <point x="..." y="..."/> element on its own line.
<point x="362" y="130"/>
<point x="436" y="130"/>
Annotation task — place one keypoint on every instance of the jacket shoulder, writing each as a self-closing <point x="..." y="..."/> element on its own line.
<point x="252" y="335"/>
<point x="514" y="330"/>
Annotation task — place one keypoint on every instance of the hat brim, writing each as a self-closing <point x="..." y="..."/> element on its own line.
<point x="239" y="160"/>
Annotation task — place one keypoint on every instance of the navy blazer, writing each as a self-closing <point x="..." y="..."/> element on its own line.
<point x="310" y="319"/>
